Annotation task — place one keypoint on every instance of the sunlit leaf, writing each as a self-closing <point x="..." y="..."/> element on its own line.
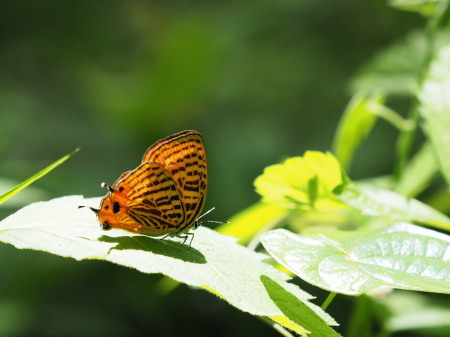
<point x="400" y="256"/>
<point x="215" y="262"/>
<point x="373" y="201"/>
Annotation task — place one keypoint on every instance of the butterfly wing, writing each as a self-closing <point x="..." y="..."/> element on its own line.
<point x="150" y="197"/>
<point x="183" y="155"/>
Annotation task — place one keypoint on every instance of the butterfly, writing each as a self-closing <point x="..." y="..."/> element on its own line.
<point x="165" y="194"/>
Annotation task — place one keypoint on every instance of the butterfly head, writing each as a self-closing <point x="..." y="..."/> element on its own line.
<point x="100" y="216"/>
<point x="107" y="214"/>
<point x="112" y="215"/>
<point x="110" y="207"/>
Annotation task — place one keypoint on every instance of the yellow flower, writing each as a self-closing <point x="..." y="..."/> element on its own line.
<point x="303" y="182"/>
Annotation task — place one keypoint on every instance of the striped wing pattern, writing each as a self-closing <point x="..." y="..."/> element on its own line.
<point x="184" y="157"/>
<point x="165" y="193"/>
<point x="153" y="198"/>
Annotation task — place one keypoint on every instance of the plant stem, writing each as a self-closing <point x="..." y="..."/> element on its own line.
<point x="328" y="300"/>
<point x="392" y="117"/>
<point x="405" y="140"/>
<point x="358" y="325"/>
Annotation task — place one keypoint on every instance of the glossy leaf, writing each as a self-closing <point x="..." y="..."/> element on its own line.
<point x="378" y="202"/>
<point x="400" y="256"/>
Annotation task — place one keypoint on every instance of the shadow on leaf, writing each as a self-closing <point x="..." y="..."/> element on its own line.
<point x="297" y="311"/>
<point x="168" y="248"/>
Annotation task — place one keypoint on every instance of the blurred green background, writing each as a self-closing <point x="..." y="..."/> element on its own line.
<point x="261" y="80"/>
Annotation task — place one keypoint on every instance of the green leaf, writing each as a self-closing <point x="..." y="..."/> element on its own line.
<point x="215" y="262"/>
<point x="396" y="69"/>
<point x="27" y="196"/>
<point x="378" y="202"/>
<point x="38" y="175"/>
<point x="296" y="310"/>
<point x="288" y="184"/>
<point x="424" y="7"/>
<point x="400" y="256"/>
<point x="418" y="173"/>
<point x="434" y="108"/>
<point x="355" y="125"/>
<point x="414" y="311"/>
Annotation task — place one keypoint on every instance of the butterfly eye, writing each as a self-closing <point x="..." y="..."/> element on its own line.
<point x="115" y="207"/>
<point x="106" y="226"/>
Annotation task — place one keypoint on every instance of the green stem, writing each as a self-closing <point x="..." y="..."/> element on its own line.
<point x="328" y="300"/>
<point x="392" y="117"/>
<point x="358" y="325"/>
<point x="405" y="140"/>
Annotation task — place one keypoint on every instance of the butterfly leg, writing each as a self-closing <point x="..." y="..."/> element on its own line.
<point x="167" y="235"/>
<point x="185" y="237"/>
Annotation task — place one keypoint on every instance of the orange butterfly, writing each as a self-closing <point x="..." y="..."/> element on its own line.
<point x="165" y="194"/>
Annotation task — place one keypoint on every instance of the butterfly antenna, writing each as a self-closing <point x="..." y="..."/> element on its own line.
<point x="108" y="187"/>
<point x="91" y="208"/>
<point x="207" y="212"/>
<point x="198" y="223"/>
<point x="104" y="185"/>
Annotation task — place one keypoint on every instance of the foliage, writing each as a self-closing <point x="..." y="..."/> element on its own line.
<point x="214" y="262"/>
<point x="360" y="238"/>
